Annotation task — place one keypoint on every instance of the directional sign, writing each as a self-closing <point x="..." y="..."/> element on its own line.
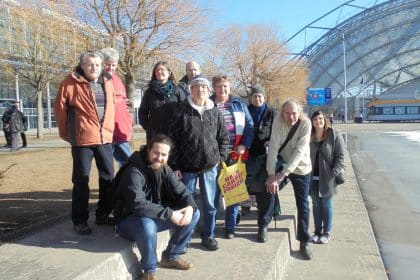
<point x="319" y="96"/>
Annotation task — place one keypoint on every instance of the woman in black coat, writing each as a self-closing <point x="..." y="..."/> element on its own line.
<point x="263" y="117"/>
<point x="160" y="101"/>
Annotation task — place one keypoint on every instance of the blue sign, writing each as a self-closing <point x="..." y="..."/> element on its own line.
<point x="319" y="96"/>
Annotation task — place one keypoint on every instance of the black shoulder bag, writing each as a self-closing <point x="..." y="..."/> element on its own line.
<point x="280" y="161"/>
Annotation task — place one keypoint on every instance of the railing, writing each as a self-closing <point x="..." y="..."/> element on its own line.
<point x="31" y="114"/>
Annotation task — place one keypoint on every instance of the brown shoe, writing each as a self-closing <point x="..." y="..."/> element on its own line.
<point x="177" y="264"/>
<point x="148" y="276"/>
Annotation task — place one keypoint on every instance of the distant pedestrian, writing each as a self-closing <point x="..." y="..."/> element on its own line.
<point x="327" y="157"/>
<point x="123" y="119"/>
<point x="192" y="69"/>
<point x="296" y="154"/>
<point x="160" y="101"/>
<point x="6" y="125"/>
<point x="84" y="111"/>
<point x="13" y="122"/>
<point x="24" y="127"/>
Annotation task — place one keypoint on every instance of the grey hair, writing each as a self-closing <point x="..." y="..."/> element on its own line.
<point x="191" y="63"/>
<point x="292" y="102"/>
<point x="110" y="54"/>
<point x="87" y="54"/>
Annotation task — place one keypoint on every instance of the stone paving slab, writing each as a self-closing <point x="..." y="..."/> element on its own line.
<point x="352" y="252"/>
<point x="242" y="257"/>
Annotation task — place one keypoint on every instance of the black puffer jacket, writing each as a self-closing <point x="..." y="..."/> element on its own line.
<point x="201" y="142"/>
<point x="157" y="109"/>
<point x="143" y="192"/>
<point x="262" y="132"/>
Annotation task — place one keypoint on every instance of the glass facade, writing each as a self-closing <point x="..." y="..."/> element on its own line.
<point x="382" y="47"/>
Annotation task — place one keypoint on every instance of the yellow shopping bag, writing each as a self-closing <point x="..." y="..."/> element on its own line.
<point x="232" y="182"/>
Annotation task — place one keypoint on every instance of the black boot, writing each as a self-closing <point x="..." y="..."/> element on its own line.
<point x="304" y="251"/>
<point x="262" y="235"/>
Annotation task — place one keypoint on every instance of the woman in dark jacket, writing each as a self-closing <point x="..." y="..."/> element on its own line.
<point x="327" y="157"/>
<point x="263" y="117"/>
<point x="160" y="101"/>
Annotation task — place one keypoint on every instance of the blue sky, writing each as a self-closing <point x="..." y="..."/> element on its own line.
<point x="287" y="15"/>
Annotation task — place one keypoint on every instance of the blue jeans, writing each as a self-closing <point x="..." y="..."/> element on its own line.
<point x="322" y="209"/>
<point x="231" y="215"/>
<point x="301" y="189"/>
<point x="82" y="162"/>
<point x="144" y="231"/>
<point x="121" y="152"/>
<point x="208" y="189"/>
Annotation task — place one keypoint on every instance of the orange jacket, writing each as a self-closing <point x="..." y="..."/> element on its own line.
<point x="76" y="111"/>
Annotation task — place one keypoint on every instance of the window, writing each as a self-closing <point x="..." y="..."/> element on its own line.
<point x="388" y="110"/>
<point x="400" y="110"/>
<point x="412" y="110"/>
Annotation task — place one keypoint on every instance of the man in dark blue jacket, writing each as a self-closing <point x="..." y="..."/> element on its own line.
<point x="151" y="199"/>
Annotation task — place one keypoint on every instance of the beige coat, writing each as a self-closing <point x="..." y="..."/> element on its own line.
<point x="296" y="153"/>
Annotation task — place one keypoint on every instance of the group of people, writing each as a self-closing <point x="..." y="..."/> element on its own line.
<point x="189" y="132"/>
<point x="14" y="123"/>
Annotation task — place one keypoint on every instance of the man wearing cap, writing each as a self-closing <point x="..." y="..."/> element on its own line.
<point x="201" y="143"/>
<point x="263" y="116"/>
<point x="192" y="70"/>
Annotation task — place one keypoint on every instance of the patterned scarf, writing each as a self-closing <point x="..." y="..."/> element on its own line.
<point x="164" y="89"/>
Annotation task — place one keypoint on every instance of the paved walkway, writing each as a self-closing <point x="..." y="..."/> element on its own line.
<point x="351" y="254"/>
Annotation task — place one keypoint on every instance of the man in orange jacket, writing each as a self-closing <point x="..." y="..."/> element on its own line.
<point x="84" y="112"/>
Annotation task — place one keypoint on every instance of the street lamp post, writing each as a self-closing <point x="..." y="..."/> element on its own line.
<point x="345" y="89"/>
<point x="345" y="80"/>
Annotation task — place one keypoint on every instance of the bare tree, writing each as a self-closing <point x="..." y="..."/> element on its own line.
<point x="40" y="40"/>
<point x="145" y="29"/>
<point x="255" y="55"/>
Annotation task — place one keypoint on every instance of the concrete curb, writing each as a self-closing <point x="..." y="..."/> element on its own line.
<point x="59" y="253"/>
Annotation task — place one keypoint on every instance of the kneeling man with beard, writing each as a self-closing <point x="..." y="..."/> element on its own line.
<point x="150" y="199"/>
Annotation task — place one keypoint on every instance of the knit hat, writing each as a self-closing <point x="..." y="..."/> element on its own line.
<point x="257" y="89"/>
<point x="200" y="80"/>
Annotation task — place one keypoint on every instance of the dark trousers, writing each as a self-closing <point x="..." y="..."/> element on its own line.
<point x="265" y="206"/>
<point x="7" y="136"/>
<point x="14" y="140"/>
<point x="23" y="136"/>
<point x="301" y="189"/>
<point x="82" y="161"/>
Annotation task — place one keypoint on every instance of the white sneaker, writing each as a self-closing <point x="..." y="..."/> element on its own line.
<point x="325" y="238"/>
<point x="315" y="238"/>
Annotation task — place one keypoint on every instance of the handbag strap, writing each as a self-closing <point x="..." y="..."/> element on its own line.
<point x="289" y="135"/>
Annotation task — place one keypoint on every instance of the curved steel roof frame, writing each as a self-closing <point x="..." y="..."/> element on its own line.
<point x="382" y="46"/>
